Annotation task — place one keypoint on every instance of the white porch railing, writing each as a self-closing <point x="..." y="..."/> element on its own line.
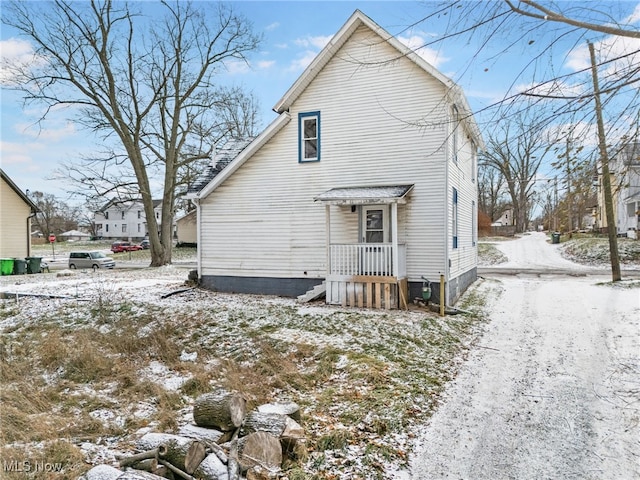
<point x="366" y="259"/>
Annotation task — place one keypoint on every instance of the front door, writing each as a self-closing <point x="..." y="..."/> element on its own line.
<point x="374" y="228"/>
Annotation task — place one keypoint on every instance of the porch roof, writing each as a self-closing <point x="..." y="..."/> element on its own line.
<point x="367" y="195"/>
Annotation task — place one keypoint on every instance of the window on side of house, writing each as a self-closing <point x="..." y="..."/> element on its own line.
<point x="309" y="137"/>
<point x="474" y="223"/>
<point x="106" y="215"/>
<point x="474" y="161"/>
<point x="455" y="123"/>
<point x="454" y="218"/>
<point x="106" y="227"/>
<point x="122" y="215"/>
<point x="124" y="228"/>
<point x="139" y="214"/>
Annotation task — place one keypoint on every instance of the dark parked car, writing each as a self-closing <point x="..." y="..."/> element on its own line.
<point x="145" y="244"/>
<point x="117" y="247"/>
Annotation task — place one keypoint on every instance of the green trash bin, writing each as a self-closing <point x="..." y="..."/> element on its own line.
<point x="555" y="237"/>
<point x="19" y="266"/>
<point x="33" y="264"/>
<point x="6" y="266"/>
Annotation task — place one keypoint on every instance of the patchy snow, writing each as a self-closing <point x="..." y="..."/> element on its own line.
<point x="551" y="389"/>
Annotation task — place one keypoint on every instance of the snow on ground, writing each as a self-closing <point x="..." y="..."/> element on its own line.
<point x="552" y="388"/>
<point x="533" y="251"/>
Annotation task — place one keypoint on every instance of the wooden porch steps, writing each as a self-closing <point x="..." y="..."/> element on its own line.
<point x="313" y="294"/>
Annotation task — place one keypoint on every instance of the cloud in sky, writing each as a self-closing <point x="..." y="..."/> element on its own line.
<point x="17" y="53"/>
<point x="318" y="41"/>
<point x="272" y="26"/>
<point x="417" y="44"/>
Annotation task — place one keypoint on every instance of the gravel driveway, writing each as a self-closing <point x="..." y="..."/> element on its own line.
<point x="552" y="390"/>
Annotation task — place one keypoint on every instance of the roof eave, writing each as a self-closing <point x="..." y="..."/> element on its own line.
<point x="252" y="148"/>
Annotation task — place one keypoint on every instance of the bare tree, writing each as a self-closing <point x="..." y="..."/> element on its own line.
<point x="516" y="148"/>
<point x="145" y="84"/>
<point x="490" y="190"/>
<point x="54" y="216"/>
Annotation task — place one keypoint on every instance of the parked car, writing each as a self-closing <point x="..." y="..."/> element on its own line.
<point x="145" y="244"/>
<point x="117" y="247"/>
<point x="93" y="260"/>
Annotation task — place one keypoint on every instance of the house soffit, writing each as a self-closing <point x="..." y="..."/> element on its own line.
<point x="366" y="195"/>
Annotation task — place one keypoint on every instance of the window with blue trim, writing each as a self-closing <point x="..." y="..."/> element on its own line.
<point x="454" y="219"/>
<point x="309" y="137"/>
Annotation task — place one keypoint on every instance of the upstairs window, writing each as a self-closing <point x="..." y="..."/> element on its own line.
<point x="122" y="215"/>
<point x="455" y="121"/>
<point x="309" y="137"/>
<point x="106" y="215"/>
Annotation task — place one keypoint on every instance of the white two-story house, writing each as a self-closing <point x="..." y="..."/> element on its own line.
<point x="366" y="180"/>
<point x="124" y="220"/>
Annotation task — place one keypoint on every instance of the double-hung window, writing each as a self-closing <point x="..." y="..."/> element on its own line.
<point x="454" y="218"/>
<point x="309" y="137"/>
<point x="454" y="132"/>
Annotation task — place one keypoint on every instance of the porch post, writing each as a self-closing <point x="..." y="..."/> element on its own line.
<point x="327" y="214"/>
<point x="394" y="240"/>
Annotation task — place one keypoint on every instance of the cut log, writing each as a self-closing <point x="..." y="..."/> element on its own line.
<point x="183" y="455"/>
<point x="139" y="475"/>
<point x="221" y="410"/>
<point x="200" y="433"/>
<point x="138" y="457"/>
<point x="278" y="425"/>
<point x="259" y="448"/>
<point x="212" y="468"/>
<point x="290" y="409"/>
<point x="101" y="472"/>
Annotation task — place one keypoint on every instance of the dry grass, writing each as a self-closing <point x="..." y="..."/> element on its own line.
<point x="86" y="374"/>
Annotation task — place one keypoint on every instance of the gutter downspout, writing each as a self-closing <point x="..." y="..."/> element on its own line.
<point x="31" y="215"/>
<point x="198" y="237"/>
<point x="447" y="210"/>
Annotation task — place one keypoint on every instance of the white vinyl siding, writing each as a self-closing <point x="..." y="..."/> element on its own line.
<point x="14" y="224"/>
<point x="263" y="221"/>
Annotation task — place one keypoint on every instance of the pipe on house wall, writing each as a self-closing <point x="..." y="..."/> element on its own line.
<point x="33" y="214"/>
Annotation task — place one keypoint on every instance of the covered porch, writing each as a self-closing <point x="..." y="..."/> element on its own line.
<point x="370" y="271"/>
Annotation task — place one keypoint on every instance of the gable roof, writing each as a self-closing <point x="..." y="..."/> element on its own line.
<point x="356" y="20"/>
<point x="339" y="39"/>
<point x="20" y="193"/>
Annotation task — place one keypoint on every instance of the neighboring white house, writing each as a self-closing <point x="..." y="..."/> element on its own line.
<point x="16" y="212"/>
<point x="627" y="168"/>
<point x="124" y="220"/>
<point x="625" y="185"/>
<point x="186" y="228"/>
<point x="365" y="180"/>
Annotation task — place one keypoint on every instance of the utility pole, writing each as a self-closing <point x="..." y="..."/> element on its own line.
<point x="606" y="179"/>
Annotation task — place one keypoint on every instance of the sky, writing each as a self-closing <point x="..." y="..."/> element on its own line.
<point x="293" y="34"/>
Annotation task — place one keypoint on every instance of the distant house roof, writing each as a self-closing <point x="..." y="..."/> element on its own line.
<point x="365" y="195"/>
<point x="19" y="192"/>
<point x="74" y="233"/>
<point x="224" y="156"/>
<point x="115" y="201"/>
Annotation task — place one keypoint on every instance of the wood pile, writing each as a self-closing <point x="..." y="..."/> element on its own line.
<point x="226" y="443"/>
